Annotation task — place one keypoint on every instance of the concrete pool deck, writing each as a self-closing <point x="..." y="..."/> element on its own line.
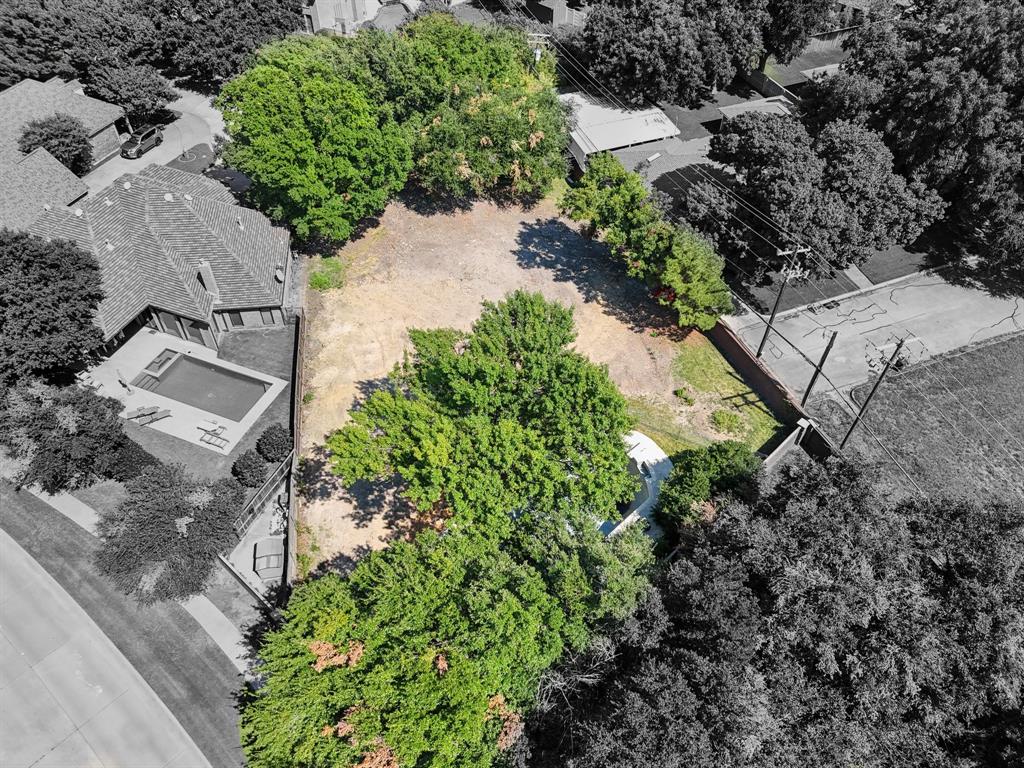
<point x="185" y="421"/>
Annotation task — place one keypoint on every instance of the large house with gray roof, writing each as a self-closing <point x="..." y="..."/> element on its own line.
<point x="177" y="254"/>
<point x="31" y="181"/>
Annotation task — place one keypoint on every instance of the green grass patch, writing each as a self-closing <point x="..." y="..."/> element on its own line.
<point x="327" y="273"/>
<point x="660" y="424"/>
<point x="727" y="421"/>
<point x="700" y="365"/>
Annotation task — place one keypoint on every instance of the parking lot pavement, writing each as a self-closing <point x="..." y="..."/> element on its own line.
<point x="67" y="695"/>
<point x="933" y="315"/>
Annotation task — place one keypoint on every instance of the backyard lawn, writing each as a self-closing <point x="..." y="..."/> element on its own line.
<point x="956" y="424"/>
<point x="430" y="271"/>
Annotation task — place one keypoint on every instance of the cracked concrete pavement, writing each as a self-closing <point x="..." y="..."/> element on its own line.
<point x="934" y="316"/>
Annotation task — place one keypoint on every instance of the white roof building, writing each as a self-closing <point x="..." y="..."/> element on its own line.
<point x="602" y="127"/>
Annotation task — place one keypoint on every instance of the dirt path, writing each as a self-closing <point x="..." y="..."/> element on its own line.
<point x="434" y="271"/>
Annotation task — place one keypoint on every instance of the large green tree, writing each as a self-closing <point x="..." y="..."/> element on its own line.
<point x="670" y="51"/>
<point x="789" y="25"/>
<point x="429" y="652"/>
<point x="835" y="191"/>
<point x="942" y="83"/>
<point x="162" y="541"/>
<point x="63" y="136"/>
<point x="680" y="266"/>
<point x="818" y="625"/>
<point x="50" y="291"/>
<point x="319" y="155"/>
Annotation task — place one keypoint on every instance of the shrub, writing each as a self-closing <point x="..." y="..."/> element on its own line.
<point x="129" y="461"/>
<point x="275" y="443"/>
<point x="249" y="469"/>
<point x="685" y="397"/>
<point x="727" y="421"/>
<point x="700" y="474"/>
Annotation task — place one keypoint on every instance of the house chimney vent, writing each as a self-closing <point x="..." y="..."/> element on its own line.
<point x="110" y="245"/>
<point x="78" y="211"/>
<point x="168" y="197"/>
<point x="127" y="185"/>
<point x="188" y="196"/>
<point x="47" y="207"/>
<point x="108" y="201"/>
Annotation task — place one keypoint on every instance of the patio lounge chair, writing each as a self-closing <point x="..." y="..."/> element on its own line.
<point x="215" y="440"/>
<point x="149" y="418"/>
<point x="140" y="412"/>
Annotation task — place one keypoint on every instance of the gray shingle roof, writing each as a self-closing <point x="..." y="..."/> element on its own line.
<point x="32" y="181"/>
<point x="152" y="233"/>
<point x="28" y="182"/>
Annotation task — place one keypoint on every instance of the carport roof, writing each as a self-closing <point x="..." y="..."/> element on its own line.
<point x="601" y="126"/>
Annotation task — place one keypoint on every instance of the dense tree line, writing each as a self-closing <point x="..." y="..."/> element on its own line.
<point x="834" y="190"/>
<point x="122" y="50"/>
<point x="428" y="653"/>
<point x="329" y="128"/>
<point x="818" y="624"/>
<point x="942" y="84"/>
<point x="682" y="268"/>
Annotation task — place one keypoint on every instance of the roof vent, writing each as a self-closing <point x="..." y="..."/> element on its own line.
<point x="168" y="197"/>
<point x="127" y="185"/>
<point x="108" y="201"/>
<point x="78" y="211"/>
<point x="47" y="207"/>
<point x="188" y="196"/>
<point x="239" y="220"/>
<point x="279" y="273"/>
<point x="110" y="245"/>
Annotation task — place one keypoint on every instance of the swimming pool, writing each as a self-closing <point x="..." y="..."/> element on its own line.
<point x="209" y="387"/>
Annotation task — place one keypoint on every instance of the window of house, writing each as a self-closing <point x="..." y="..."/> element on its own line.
<point x="267" y="316"/>
<point x="235" y="318"/>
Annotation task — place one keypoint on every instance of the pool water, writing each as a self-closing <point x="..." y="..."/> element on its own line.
<point x="211" y="388"/>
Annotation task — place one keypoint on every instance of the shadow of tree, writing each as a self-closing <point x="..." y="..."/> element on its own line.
<point x="552" y="245"/>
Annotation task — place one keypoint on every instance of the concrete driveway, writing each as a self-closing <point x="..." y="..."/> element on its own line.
<point x="198" y="123"/>
<point x="933" y="315"/>
<point x="68" y="698"/>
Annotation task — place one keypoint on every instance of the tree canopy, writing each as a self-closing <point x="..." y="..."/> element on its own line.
<point x="50" y="294"/>
<point x="819" y="624"/>
<point x="670" y="51"/>
<point x="319" y="155"/>
<point x="112" y="46"/>
<point x="680" y="266"/>
<point x="60" y="438"/>
<point x="941" y="82"/>
<point x="162" y="541"/>
<point x="428" y="652"/>
<point x="63" y="136"/>
<point x="835" y="191"/>
<point x="462" y="111"/>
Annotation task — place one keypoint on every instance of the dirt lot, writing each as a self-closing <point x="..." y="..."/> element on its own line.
<point x="434" y="271"/>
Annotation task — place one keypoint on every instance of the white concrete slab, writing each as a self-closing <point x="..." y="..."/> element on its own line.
<point x="73" y="752"/>
<point x="220" y="629"/>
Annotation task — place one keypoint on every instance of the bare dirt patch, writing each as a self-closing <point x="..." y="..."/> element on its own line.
<point x="415" y="271"/>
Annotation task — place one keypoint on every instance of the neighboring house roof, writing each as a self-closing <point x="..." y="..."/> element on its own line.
<point x="776" y="105"/>
<point x="29" y="182"/>
<point x="601" y="127"/>
<point x="156" y="231"/>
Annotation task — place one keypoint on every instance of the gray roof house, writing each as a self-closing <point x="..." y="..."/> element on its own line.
<point x="31" y="181"/>
<point x="177" y="254"/>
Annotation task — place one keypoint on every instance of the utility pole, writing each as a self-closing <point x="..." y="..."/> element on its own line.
<point x="817" y="371"/>
<point x="789" y="272"/>
<point x="863" y="408"/>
